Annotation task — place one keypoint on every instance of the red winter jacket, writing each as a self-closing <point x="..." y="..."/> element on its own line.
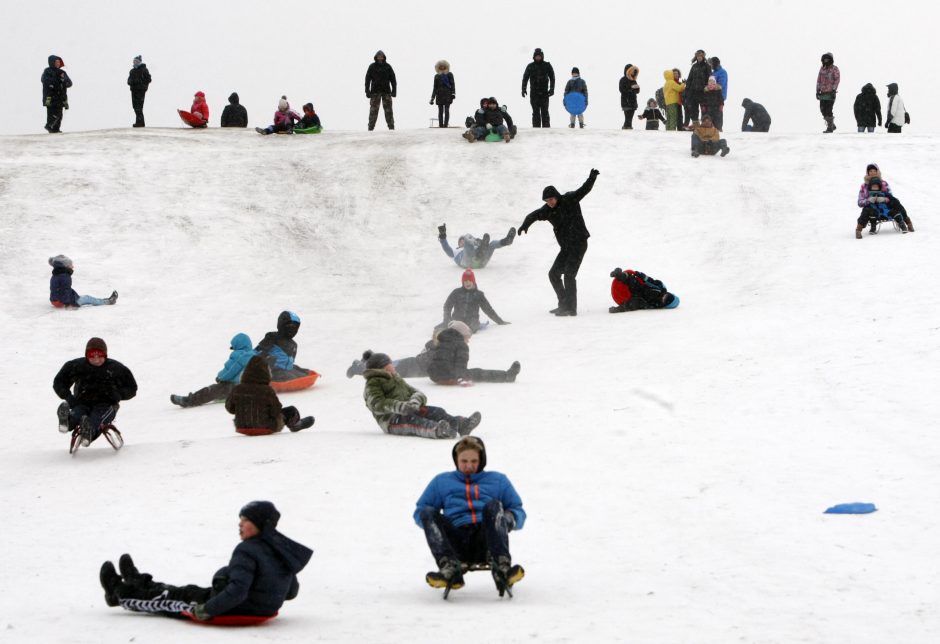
<point x="200" y="105"/>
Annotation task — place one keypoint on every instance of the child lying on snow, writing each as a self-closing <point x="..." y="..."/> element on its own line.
<point x="633" y="291"/>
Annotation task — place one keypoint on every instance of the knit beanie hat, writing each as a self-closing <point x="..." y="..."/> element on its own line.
<point x="96" y="345"/>
<point x="575" y="70"/>
<point x="283" y="105"/>
<point x="262" y="513"/>
<point x="461" y="328"/>
<point x="138" y="59"/>
<point x="874" y="181"/>
<point x="468" y="275"/>
<point x="60" y="261"/>
<point x="376" y="360"/>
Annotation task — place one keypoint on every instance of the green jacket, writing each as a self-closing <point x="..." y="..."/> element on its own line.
<point x="387" y="395"/>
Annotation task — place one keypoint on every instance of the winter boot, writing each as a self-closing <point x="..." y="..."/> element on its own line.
<point x="468" y="424"/>
<point x="442" y="231"/>
<point x="301" y="423"/>
<point x="830" y="125"/>
<point x="88" y="431"/>
<point x="725" y="150"/>
<point x="113" y="298"/>
<point x="182" y="401"/>
<point x="910" y="225"/>
<point x="63" y="413"/>
<point x="449" y="574"/>
<point x="356" y="368"/>
<point x="129" y="571"/>
<point x="900" y="223"/>
<point x="513" y="371"/>
<point x="444" y="430"/>
<point x="484" y="245"/>
<point x="858" y="231"/>
<point x="505" y="574"/>
<point x="581" y="124"/>
<point x="469" y="136"/>
<point x="510" y="236"/>
<point x="110" y="581"/>
<point x="571" y="125"/>
<point x="695" y="154"/>
<point x="506" y="137"/>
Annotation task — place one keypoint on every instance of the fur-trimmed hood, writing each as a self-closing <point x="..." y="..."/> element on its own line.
<point x="442" y="66"/>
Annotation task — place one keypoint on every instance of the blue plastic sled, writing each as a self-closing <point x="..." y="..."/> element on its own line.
<point x="575" y="103"/>
<point x="852" y="508"/>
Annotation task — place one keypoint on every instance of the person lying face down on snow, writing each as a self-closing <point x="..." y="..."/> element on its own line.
<point x="402" y="410"/>
<point x="449" y="358"/>
<point x="635" y="291"/>
<point x="61" y="294"/>
<point x="464" y="304"/>
<point x="280" y="349"/>
<point x="255" y="404"/>
<point x="260" y="576"/>
<point x="471" y="251"/>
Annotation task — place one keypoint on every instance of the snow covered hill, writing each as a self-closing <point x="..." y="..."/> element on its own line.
<point x="674" y="464"/>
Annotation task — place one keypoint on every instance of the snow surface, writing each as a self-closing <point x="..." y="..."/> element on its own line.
<point x="674" y="464"/>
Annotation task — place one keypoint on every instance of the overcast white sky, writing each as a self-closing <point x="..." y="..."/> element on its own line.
<point x="319" y="52"/>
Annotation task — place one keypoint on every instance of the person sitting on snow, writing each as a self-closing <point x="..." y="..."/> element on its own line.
<point x="61" y="294"/>
<point x="706" y="139"/>
<point x="260" y="576"/>
<point x="310" y="118"/>
<point x="891" y="202"/>
<point x="226" y="380"/>
<point x="200" y="109"/>
<point x="464" y="304"/>
<point x="284" y="119"/>
<point x="402" y="410"/>
<point x="634" y="291"/>
<point x="256" y="407"/>
<point x="490" y="118"/>
<point x="450" y="355"/>
<point x="463" y="529"/>
<point x="878" y="204"/>
<point x="471" y="251"/>
<point x="279" y="349"/>
<point x="92" y="389"/>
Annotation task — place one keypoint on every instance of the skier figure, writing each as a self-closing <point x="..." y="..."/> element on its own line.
<point x="706" y="139"/>
<point x="402" y="410"/>
<point x="634" y="291"/>
<point x="284" y="119"/>
<point x="256" y="407"/>
<point x="234" y="114"/>
<point x="564" y="213"/>
<point x="279" y="349"/>
<point x="449" y="358"/>
<point x="61" y="294"/>
<point x="896" y="116"/>
<point x="867" y="108"/>
<point x="577" y="84"/>
<point x="464" y="304"/>
<point x="628" y="93"/>
<point x="652" y="115"/>
<point x="55" y="85"/>
<point x="381" y="86"/>
<point x="827" y="84"/>
<point x="756" y="114"/>
<point x="139" y="80"/>
<point x="444" y="91"/>
<point x="540" y="77"/>
<point x="200" y="109"/>
<point x="260" y="576"/>
<point x="92" y="389"/>
<point x="464" y="528"/>
<point x="471" y="251"/>
<point x="227" y="378"/>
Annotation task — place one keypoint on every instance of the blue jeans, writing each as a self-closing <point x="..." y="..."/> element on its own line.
<point x="863" y="128"/>
<point x="480" y="132"/>
<point x="90" y="300"/>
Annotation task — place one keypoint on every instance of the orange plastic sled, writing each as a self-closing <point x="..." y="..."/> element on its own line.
<point x="191" y="120"/>
<point x="304" y="382"/>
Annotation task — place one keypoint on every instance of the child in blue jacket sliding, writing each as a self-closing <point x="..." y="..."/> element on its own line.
<point x="228" y="377"/>
<point x="61" y="294"/>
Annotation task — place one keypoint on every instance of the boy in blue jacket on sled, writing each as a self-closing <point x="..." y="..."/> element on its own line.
<point x="228" y="377"/>
<point x="279" y="349"/>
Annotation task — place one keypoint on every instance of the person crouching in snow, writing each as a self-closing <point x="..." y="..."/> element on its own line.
<point x="634" y="291"/>
<point x="61" y="294"/>
<point x="402" y="410"/>
<point x="706" y="139"/>
<point x="490" y="118"/>
<point x="200" y="109"/>
<point x="259" y="578"/>
<point x="284" y="119"/>
<point x="451" y="354"/>
<point x="226" y="380"/>
<point x="471" y="251"/>
<point x="463" y="528"/>
<point x="310" y="118"/>
<point x="279" y="349"/>
<point x="464" y="304"/>
<point x="92" y="389"/>
<point x="256" y="407"/>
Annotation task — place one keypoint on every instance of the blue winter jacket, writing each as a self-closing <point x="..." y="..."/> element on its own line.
<point x="241" y="354"/>
<point x="721" y="77"/>
<point x="462" y="498"/>
<point x="60" y="287"/>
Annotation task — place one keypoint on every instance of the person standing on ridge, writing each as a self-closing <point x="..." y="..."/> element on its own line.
<point x="55" y="85"/>
<point x="138" y="80"/>
<point x="628" y="92"/>
<point x="381" y="86"/>
<point x="540" y="78"/>
<point x="827" y="84"/>
<point x="444" y="91"/>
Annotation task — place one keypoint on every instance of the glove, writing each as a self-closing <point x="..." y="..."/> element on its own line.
<point x="882" y="200"/>
<point x="368" y="94"/>
<point x="65" y="105"/>
<point x="48" y="101"/>
<point x="522" y="230"/>
<point x="873" y="200"/>
<point x="818" y="94"/>
<point x="431" y="102"/>
<point x="551" y="92"/>
<point x="616" y="273"/>
<point x="71" y="400"/>
<point x="394" y="94"/>
<point x="523" y="93"/>
<point x="595" y="172"/>
<point x="198" y="115"/>
<point x="199" y="612"/>
<point x="411" y="407"/>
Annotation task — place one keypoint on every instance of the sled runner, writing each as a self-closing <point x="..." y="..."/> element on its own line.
<point x="110" y="432"/>
<point x="575" y="103"/>
<point x="303" y="382"/>
<point x="435" y="580"/>
<point x="191" y="120"/>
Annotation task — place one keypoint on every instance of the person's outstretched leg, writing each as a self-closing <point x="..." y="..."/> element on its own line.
<point x="140" y="593"/>
<point x="218" y="391"/>
<point x="494" y="375"/>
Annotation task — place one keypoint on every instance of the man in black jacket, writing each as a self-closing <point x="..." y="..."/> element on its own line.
<point x="139" y="80"/>
<point x="381" y="86"/>
<point x="564" y="213"/>
<point x="234" y="114"/>
<point x="260" y="576"/>
<point x="92" y="388"/>
<point x="695" y="84"/>
<point x="540" y="77"/>
<point x="55" y="85"/>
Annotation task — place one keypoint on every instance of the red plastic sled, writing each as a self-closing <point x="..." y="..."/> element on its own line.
<point x="254" y="431"/>
<point x="231" y="620"/>
<point x="620" y="292"/>
<point x="304" y="382"/>
<point x="191" y="120"/>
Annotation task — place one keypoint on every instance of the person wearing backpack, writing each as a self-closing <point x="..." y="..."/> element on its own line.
<point x="897" y="116"/>
<point x="634" y="291"/>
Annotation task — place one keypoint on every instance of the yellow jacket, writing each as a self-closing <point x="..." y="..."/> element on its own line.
<point x="671" y="89"/>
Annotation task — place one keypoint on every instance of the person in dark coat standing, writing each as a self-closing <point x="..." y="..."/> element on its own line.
<point x="381" y="86"/>
<point x="55" y="85"/>
<point x="464" y="304"/>
<point x="628" y="91"/>
<point x="564" y="213"/>
<point x="444" y="91"/>
<point x="449" y="358"/>
<point x="234" y="114"/>
<point x="867" y="109"/>
<point x="540" y="79"/>
<point x="138" y="80"/>
<point x="695" y="86"/>
<point x="756" y="114"/>
<point x="92" y="389"/>
<point x="260" y="576"/>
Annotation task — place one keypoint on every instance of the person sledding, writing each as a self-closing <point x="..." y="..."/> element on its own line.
<point x="402" y="410"/>
<point x="259" y="578"/>
<point x="635" y="291"/>
<point x="92" y="388"/>
<point x="490" y="119"/>
<point x="473" y="252"/>
<point x="199" y="110"/>
<point x="227" y="378"/>
<point x="61" y="294"/>
<point x="451" y="353"/>
<point x="309" y="120"/>
<point x="285" y="119"/>
<point x="256" y="407"/>
<point x="879" y="205"/>
<point x="706" y="139"/>
<point x="467" y="515"/>
<point x="464" y="304"/>
<point x="280" y="349"/>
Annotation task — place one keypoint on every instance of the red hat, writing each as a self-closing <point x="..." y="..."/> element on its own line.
<point x="468" y="275"/>
<point x="96" y="346"/>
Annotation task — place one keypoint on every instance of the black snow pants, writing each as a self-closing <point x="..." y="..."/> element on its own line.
<point x="566" y="266"/>
<point x="478" y="542"/>
<point x="540" y="117"/>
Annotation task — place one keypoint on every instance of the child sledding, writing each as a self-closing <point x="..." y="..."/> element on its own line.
<point x="198" y="114"/>
<point x="256" y="407"/>
<point x="635" y="291"/>
<point x="61" y="294"/>
<point x="879" y="205"/>
<point x="285" y="119"/>
<point x="279" y="350"/>
<point x="226" y="379"/>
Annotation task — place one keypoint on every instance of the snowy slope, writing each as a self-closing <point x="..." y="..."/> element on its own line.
<point x="674" y="464"/>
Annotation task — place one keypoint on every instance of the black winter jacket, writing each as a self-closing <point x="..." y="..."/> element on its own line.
<point x="542" y="78"/>
<point x="449" y="358"/>
<point x="81" y="383"/>
<point x="55" y="84"/>
<point x="139" y="79"/>
<point x="234" y="114"/>
<point x="444" y="89"/>
<point x="497" y="117"/>
<point x="253" y="402"/>
<point x="380" y="79"/>
<point x="867" y="107"/>
<point x="465" y="304"/>
<point x="261" y="574"/>
<point x="628" y="90"/>
<point x="757" y="113"/>
<point x="566" y="218"/>
<point x="698" y="77"/>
